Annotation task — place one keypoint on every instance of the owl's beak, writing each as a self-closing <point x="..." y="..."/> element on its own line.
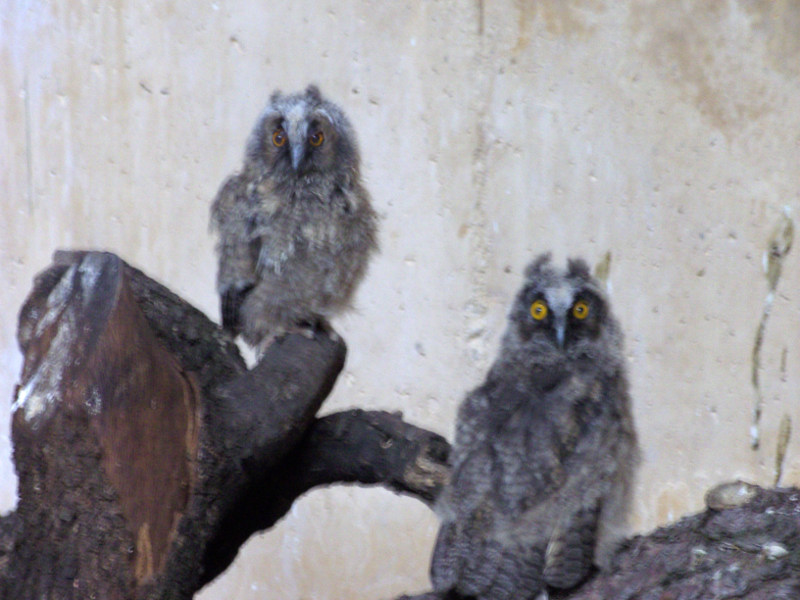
<point x="560" y="332"/>
<point x="298" y="151"/>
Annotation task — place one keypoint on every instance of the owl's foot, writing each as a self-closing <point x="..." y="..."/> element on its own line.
<point x="318" y="326"/>
<point x="266" y="342"/>
<point x="307" y="329"/>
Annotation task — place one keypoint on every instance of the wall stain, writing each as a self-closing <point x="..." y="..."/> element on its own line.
<point x="28" y="144"/>
<point x="778" y="22"/>
<point x="144" y="553"/>
<point x="602" y="269"/>
<point x="784" y="353"/>
<point x="778" y="245"/>
<point x="784" y="435"/>
<point x="558" y="17"/>
<point x="686" y="43"/>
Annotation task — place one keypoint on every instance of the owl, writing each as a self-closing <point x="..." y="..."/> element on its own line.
<point x="296" y="226"/>
<point x="545" y="448"/>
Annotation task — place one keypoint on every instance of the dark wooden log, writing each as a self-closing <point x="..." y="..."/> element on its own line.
<point x="745" y="546"/>
<point x="98" y="399"/>
<point x="147" y="453"/>
<point x="349" y="447"/>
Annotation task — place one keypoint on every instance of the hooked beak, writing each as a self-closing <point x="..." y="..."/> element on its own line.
<point x="560" y="331"/>
<point x="298" y="151"/>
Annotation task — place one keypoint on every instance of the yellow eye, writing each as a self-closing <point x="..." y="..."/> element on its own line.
<point x="279" y="137"/>
<point x="539" y="310"/>
<point x="317" y="139"/>
<point x="580" y="310"/>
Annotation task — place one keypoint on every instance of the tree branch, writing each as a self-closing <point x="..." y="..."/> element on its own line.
<point x="348" y="447"/>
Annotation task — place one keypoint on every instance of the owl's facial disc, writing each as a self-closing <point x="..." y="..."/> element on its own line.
<point x="564" y="314"/>
<point x="306" y="137"/>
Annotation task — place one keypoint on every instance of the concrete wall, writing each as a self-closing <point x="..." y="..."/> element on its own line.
<point x="664" y="132"/>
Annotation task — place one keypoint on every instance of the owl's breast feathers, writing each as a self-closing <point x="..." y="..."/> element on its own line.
<point x="236" y="274"/>
<point x="551" y="413"/>
<point x="499" y="505"/>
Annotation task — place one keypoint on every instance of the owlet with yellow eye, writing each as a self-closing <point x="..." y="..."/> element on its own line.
<point x="296" y="226"/>
<point x="545" y="449"/>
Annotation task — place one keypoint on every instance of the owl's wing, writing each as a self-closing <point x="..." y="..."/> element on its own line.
<point x="474" y="561"/>
<point x="466" y="502"/>
<point x="468" y="515"/>
<point x="237" y="249"/>
<point x="230" y="304"/>
<point x="474" y="553"/>
<point x="449" y="553"/>
<point x="593" y="466"/>
<point x="516" y="572"/>
<point x="570" y="552"/>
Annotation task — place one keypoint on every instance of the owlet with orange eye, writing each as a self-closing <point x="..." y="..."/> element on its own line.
<point x="545" y="448"/>
<point x="295" y="225"/>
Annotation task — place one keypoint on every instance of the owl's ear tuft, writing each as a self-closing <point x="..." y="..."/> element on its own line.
<point x="275" y="96"/>
<point x="535" y="268"/>
<point x="577" y="267"/>
<point x="312" y="91"/>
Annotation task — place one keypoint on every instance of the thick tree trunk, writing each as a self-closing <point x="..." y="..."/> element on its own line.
<point x="147" y="453"/>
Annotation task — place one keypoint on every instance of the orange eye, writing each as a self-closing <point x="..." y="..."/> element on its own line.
<point x="580" y="310"/>
<point x="539" y="310"/>
<point x="279" y="137"/>
<point x="317" y="139"/>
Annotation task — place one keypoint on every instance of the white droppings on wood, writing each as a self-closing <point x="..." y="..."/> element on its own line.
<point x="773" y="551"/>
<point x="55" y="301"/>
<point x="43" y="388"/>
<point x="89" y="270"/>
<point x="94" y="403"/>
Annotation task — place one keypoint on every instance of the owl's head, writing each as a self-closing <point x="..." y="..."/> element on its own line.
<point x="304" y="134"/>
<point x="562" y="313"/>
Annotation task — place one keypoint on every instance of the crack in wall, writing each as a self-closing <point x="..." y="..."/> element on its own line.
<point x="477" y="307"/>
<point x="778" y="246"/>
<point x="28" y="142"/>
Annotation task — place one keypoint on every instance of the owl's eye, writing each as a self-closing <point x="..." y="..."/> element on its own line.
<point x="279" y="137"/>
<point x="538" y="310"/>
<point x="580" y="310"/>
<point x="317" y="139"/>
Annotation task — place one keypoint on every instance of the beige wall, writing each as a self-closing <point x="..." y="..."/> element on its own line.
<point x="665" y="132"/>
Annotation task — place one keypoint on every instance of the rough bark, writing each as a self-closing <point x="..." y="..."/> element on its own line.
<point x="745" y="546"/>
<point x="748" y="550"/>
<point x="147" y="453"/>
